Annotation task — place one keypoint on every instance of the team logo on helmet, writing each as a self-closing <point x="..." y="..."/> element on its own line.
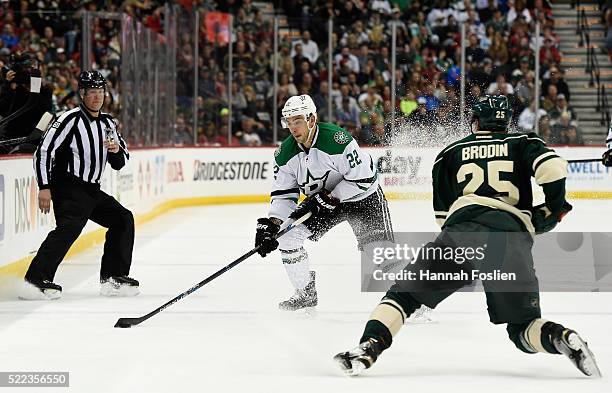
<point x="341" y="138"/>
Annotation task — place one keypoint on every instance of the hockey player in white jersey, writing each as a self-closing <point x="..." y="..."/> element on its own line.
<point x="340" y="182"/>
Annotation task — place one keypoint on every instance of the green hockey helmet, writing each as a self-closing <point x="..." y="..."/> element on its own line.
<point x="493" y="113"/>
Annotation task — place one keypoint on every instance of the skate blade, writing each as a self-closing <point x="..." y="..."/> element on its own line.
<point x="352" y="368"/>
<point x="31" y="292"/>
<point x="420" y="321"/>
<point x="589" y="365"/>
<point x="109" y="290"/>
<point x="309" y="312"/>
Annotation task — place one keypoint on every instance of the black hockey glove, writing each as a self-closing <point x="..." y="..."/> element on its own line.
<point x="264" y="237"/>
<point x="320" y="204"/>
<point x="545" y="221"/>
<point x="607" y="158"/>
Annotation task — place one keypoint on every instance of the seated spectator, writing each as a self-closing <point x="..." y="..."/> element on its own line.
<point x="550" y="99"/>
<point x="431" y="101"/>
<point x="239" y="101"/>
<point x="284" y="60"/>
<point x="262" y="114"/>
<point x="249" y="135"/>
<point x="545" y="130"/>
<point x="561" y="108"/>
<point x="565" y="132"/>
<point x="500" y="86"/>
<point x="371" y="114"/>
<point x="344" y="93"/>
<point x="183" y="134"/>
<point x="555" y="77"/>
<point x="498" y="52"/>
<point x="498" y="21"/>
<point x="8" y="36"/>
<point x="346" y="58"/>
<point x="572" y="136"/>
<point x="474" y="51"/>
<point x="421" y="117"/>
<point x="517" y="9"/>
<point x="321" y="99"/>
<point x="527" y="118"/>
<point x="408" y="103"/>
<point x="525" y="88"/>
<point x="310" y="48"/>
<point x="549" y="54"/>
<point x="284" y="82"/>
<point x="347" y="115"/>
<point x="379" y="136"/>
<point x="474" y="95"/>
<point x="370" y="92"/>
<point x="209" y="137"/>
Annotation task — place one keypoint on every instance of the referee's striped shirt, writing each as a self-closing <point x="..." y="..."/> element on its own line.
<point x="78" y="138"/>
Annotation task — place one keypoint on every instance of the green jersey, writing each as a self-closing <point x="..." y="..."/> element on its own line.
<point x="490" y="170"/>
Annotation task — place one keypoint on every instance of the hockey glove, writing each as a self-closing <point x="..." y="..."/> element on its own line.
<point x="320" y="204"/>
<point x="545" y="221"/>
<point x="607" y="158"/>
<point x="265" y="236"/>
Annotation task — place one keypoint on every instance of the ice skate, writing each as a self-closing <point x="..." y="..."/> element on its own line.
<point x="576" y="349"/>
<point x="120" y="286"/>
<point x="40" y="290"/>
<point x="356" y="360"/>
<point x="305" y="299"/>
<point x="421" y="316"/>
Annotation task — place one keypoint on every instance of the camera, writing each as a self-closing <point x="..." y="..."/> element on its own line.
<point x="25" y="65"/>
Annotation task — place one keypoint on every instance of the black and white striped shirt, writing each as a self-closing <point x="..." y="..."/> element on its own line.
<point x="75" y="144"/>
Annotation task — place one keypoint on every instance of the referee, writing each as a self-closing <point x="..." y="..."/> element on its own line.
<point x="69" y="164"/>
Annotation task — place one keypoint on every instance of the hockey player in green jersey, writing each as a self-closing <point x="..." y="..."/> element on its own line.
<point x="340" y="182"/>
<point x="482" y="193"/>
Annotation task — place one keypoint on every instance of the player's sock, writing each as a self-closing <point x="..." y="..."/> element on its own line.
<point x="297" y="267"/>
<point x="384" y="323"/>
<point x="538" y="336"/>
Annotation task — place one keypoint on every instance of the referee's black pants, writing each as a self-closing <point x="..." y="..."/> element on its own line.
<point x="75" y="202"/>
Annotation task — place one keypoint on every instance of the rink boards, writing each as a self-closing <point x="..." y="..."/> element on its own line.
<point x="156" y="180"/>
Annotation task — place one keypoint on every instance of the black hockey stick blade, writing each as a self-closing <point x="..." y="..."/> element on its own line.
<point x="129" y="322"/>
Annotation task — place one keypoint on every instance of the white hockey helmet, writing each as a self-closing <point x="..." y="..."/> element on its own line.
<point x="298" y="105"/>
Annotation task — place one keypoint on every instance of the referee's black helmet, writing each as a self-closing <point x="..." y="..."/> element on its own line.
<point x="91" y="80"/>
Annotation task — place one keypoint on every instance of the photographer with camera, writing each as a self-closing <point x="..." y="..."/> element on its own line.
<point x="24" y="102"/>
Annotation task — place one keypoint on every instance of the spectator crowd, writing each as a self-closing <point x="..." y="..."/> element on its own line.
<point x="499" y="59"/>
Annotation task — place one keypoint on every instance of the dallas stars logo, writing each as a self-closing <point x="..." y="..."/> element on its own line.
<point x="313" y="184"/>
<point x="341" y="138"/>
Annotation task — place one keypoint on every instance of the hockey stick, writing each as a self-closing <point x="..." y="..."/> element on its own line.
<point x="129" y="322"/>
<point x="586" y="160"/>
<point x="14" y="141"/>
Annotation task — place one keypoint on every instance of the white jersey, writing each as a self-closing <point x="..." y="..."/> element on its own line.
<point x="335" y="162"/>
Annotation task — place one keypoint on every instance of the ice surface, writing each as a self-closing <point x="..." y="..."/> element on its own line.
<point x="230" y="337"/>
